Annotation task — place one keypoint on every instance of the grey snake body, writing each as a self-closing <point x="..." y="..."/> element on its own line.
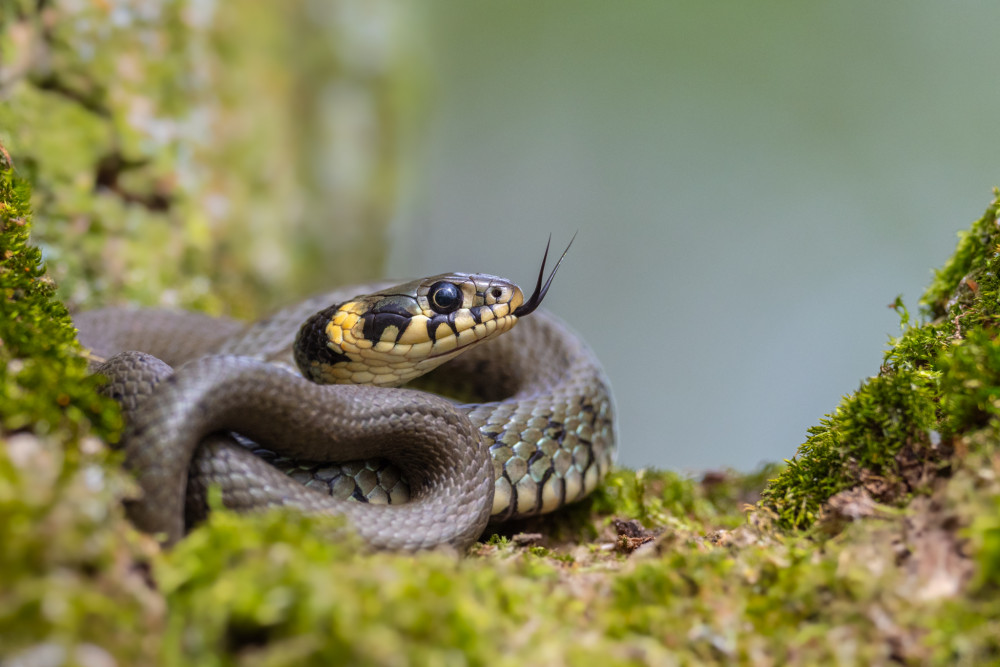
<point x="540" y="435"/>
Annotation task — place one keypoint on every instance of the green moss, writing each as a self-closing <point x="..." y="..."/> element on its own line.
<point x="277" y="589"/>
<point x="940" y="380"/>
<point x="663" y="497"/>
<point x="918" y="346"/>
<point x="974" y="259"/>
<point x="70" y="562"/>
<point x="718" y="584"/>
<point x="859" y="442"/>
<point x="984" y="538"/>
<point x="970" y="383"/>
<point x="38" y="348"/>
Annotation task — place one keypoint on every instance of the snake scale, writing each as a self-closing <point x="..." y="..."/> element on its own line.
<point x="250" y="408"/>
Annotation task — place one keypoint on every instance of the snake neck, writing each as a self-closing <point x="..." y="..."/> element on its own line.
<point x="312" y="352"/>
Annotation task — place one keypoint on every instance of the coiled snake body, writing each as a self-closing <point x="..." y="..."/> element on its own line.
<point x="237" y="415"/>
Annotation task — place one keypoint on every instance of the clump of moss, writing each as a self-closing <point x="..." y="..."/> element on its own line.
<point x="664" y="497"/>
<point x="970" y="383"/>
<point x="71" y="565"/>
<point x="940" y="382"/>
<point x="968" y="283"/>
<point x="860" y="443"/>
<point x="38" y="347"/>
<point x="276" y="590"/>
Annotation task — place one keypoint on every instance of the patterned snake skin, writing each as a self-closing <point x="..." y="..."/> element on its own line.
<point x="238" y="415"/>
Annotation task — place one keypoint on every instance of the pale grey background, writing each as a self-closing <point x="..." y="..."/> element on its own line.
<point x="753" y="183"/>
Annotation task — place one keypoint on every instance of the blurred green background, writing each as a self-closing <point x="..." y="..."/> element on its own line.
<point x="753" y="184"/>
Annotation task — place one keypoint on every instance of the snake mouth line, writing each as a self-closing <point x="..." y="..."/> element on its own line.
<point x="473" y="335"/>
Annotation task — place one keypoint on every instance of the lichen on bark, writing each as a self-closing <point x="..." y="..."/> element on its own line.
<point x="174" y="145"/>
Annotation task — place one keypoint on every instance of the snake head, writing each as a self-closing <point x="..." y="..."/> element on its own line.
<point x="394" y="335"/>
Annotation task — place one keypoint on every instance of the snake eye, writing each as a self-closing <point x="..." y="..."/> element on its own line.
<point x="444" y="297"/>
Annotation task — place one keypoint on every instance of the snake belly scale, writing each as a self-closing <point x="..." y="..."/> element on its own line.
<point x="303" y="409"/>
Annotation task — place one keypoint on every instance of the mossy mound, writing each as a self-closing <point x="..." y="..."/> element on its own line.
<point x="937" y="394"/>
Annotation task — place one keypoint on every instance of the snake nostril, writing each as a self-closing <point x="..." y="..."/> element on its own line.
<point x="496" y="292"/>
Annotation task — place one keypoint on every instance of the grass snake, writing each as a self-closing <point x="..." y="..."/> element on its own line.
<point x="302" y="409"/>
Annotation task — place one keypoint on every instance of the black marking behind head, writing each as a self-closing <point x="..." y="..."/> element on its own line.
<point x="393" y="311"/>
<point x="374" y="324"/>
<point x="312" y="344"/>
<point x="536" y="297"/>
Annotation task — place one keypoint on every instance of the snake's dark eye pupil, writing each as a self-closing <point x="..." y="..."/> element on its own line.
<point x="445" y="297"/>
